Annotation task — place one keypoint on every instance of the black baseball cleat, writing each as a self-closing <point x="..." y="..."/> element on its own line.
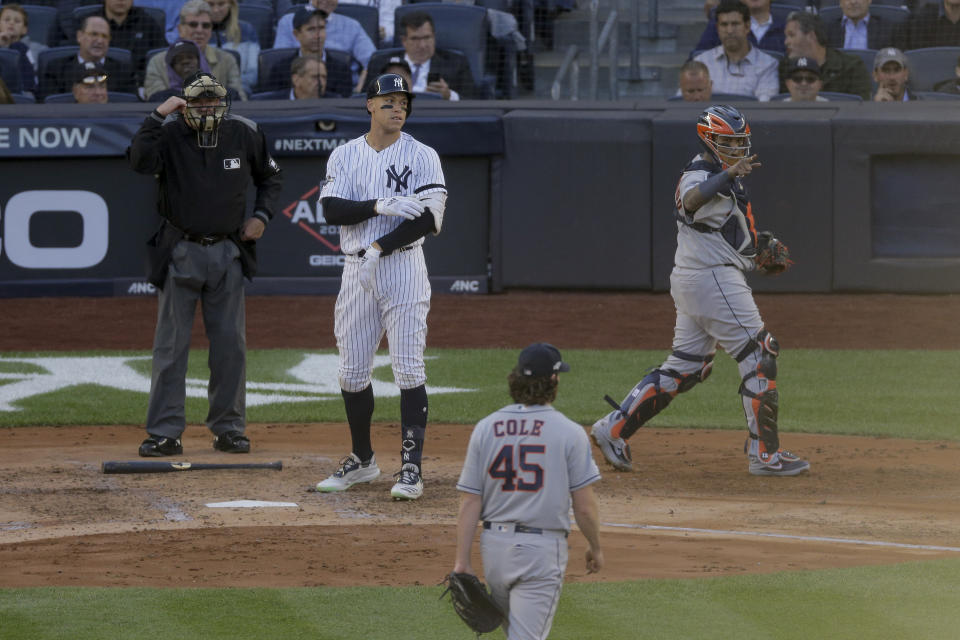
<point x="158" y="446"/>
<point x="232" y="442"/>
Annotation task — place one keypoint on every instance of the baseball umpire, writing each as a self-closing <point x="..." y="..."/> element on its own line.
<point x="204" y="159"/>
<point x="387" y="192"/>
<point x="716" y="243"/>
<point x="523" y="466"/>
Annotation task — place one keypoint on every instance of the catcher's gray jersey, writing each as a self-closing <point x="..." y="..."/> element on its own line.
<point x="357" y="171"/>
<point x="721" y="232"/>
<point x="524" y="461"/>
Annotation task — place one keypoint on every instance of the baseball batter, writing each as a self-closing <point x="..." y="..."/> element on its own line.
<point x="716" y="244"/>
<point x="387" y="192"/>
<point x="524" y="465"/>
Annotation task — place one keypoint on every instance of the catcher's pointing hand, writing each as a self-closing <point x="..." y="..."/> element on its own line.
<point x="401" y="206"/>
<point x="743" y="167"/>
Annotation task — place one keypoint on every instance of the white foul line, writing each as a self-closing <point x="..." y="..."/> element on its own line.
<point x="759" y="534"/>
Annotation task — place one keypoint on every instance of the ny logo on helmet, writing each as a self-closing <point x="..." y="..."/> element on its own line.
<point x="398" y="180"/>
<point x="398" y="82"/>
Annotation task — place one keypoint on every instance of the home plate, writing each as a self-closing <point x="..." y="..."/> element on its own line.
<point x="249" y="504"/>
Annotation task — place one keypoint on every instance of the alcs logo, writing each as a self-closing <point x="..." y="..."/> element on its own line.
<point x="310" y="220"/>
<point x="21" y="208"/>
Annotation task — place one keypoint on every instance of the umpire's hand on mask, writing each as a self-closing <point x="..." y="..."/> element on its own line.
<point x="368" y="268"/>
<point x="408" y="207"/>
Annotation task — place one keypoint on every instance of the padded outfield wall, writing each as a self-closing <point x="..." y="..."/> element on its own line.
<point x="543" y="195"/>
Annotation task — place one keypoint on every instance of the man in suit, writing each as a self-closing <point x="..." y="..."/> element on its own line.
<point x="857" y="29"/>
<point x="766" y="32"/>
<point x="310" y="31"/>
<point x="308" y="79"/>
<point x="840" y="72"/>
<point x="132" y="28"/>
<point x="94" y="40"/>
<point x="433" y="70"/>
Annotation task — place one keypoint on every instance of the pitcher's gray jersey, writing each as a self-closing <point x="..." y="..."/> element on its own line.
<point x="524" y="461"/>
<point x="356" y="171"/>
<point x="728" y="214"/>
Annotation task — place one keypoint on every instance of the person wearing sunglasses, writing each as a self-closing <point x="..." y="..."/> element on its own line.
<point x="803" y="80"/>
<point x="196" y="26"/>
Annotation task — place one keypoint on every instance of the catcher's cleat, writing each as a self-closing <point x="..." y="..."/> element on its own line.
<point x="232" y="442"/>
<point x="777" y="465"/>
<point x="615" y="450"/>
<point x="352" y="471"/>
<point x="409" y="484"/>
<point x="158" y="446"/>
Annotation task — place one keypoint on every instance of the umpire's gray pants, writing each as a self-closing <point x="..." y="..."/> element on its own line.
<point x="212" y="275"/>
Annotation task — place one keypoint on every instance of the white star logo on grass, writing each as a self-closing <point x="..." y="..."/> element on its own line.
<point x="318" y="373"/>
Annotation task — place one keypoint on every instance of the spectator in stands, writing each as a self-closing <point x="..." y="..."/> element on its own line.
<point x="433" y="70"/>
<point x="343" y="33"/>
<point x="133" y="29"/>
<point x="229" y="32"/>
<point x="933" y="25"/>
<point x="94" y="40"/>
<point x="695" y="82"/>
<point x="310" y="30"/>
<point x="196" y="25"/>
<point x="766" y="32"/>
<point x="736" y="66"/>
<point x="308" y="79"/>
<point x="951" y="85"/>
<point x="182" y="60"/>
<point x="386" y="9"/>
<point x="90" y="83"/>
<point x="803" y="80"/>
<point x="171" y="9"/>
<point x="840" y="72"/>
<point x="13" y="35"/>
<point x="857" y="29"/>
<point x="399" y="66"/>
<point x="891" y="73"/>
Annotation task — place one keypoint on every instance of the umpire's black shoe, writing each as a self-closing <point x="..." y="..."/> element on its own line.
<point x="232" y="442"/>
<point x="158" y="446"/>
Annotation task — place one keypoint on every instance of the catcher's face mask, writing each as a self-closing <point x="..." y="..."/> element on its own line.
<point x="725" y="134"/>
<point x="207" y="104"/>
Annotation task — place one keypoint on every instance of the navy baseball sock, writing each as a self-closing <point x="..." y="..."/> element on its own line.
<point x="413" y="420"/>
<point x="359" y="406"/>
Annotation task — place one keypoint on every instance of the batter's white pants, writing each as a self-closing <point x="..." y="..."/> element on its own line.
<point x="397" y="308"/>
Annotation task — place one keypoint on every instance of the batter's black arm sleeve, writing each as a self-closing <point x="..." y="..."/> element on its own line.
<point x="342" y="211"/>
<point x="267" y="178"/>
<point x="143" y="154"/>
<point x="408" y="231"/>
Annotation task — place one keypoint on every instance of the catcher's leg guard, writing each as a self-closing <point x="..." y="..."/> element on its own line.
<point x="760" y="396"/>
<point x="657" y="389"/>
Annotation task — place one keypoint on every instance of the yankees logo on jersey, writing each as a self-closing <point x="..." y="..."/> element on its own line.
<point x="355" y="171"/>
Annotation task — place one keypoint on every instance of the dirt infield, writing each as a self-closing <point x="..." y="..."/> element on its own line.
<point x="691" y="509"/>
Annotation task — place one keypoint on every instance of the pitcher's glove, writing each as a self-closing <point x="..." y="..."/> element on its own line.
<point x="472" y="602"/>
<point x="773" y="257"/>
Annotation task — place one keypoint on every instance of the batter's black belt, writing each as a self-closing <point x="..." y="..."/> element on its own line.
<point x="363" y="252"/>
<point x="521" y="528"/>
<point x="206" y="240"/>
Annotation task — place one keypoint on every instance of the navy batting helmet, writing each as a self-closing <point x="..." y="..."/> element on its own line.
<point x="391" y="83"/>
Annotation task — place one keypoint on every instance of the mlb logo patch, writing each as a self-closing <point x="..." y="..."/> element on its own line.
<point x="231" y="163"/>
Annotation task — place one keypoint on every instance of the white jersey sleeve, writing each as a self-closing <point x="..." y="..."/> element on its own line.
<point x="337" y="183"/>
<point x="428" y="171"/>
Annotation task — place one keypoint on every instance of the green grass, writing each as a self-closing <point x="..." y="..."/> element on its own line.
<point x="882" y="393"/>
<point x="912" y="600"/>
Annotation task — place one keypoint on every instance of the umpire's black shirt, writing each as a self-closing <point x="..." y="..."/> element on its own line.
<point x="204" y="191"/>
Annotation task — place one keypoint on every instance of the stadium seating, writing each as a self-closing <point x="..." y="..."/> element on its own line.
<point x="82" y="12"/>
<point x="367" y="16"/>
<point x="890" y="15"/>
<point x="43" y="23"/>
<point x="112" y="96"/>
<point x="720" y="97"/>
<point x="262" y="20"/>
<point x="10" y="69"/>
<point x="930" y="66"/>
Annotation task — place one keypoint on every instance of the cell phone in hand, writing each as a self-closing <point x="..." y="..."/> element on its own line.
<point x="433" y="76"/>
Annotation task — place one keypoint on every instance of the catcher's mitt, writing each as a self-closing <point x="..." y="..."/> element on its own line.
<point x="773" y="257"/>
<point x="472" y="602"/>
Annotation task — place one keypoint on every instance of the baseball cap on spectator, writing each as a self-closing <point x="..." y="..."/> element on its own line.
<point x="89" y="73"/>
<point x="541" y="359"/>
<point x="396" y="61"/>
<point x="889" y="54"/>
<point x="304" y="13"/>
<point x="182" y="46"/>
<point x="802" y="63"/>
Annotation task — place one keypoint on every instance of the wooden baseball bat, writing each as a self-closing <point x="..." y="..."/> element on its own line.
<point x="158" y="466"/>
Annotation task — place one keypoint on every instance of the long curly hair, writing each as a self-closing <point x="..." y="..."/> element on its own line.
<point x="532" y="389"/>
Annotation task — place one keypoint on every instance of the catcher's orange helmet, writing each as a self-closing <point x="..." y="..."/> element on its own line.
<point x="724" y="120"/>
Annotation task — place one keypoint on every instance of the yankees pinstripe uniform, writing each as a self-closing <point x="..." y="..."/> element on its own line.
<point x="522" y="465"/>
<point x="716" y="244"/>
<point x="387" y="192"/>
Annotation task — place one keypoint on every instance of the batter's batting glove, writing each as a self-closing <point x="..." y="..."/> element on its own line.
<point x="401" y="206"/>
<point x="368" y="268"/>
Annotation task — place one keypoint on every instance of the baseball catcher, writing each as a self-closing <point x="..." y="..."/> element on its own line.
<point x="472" y="602"/>
<point x="773" y="257"/>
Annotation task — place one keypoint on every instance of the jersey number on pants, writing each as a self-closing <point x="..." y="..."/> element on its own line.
<point x="503" y="468"/>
